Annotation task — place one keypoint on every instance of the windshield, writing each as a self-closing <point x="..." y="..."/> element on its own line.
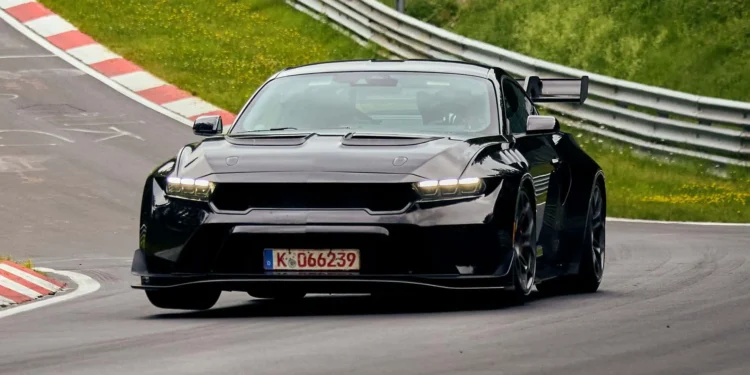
<point x="392" y="102"/>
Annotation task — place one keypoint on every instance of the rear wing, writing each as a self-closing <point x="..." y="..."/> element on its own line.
<point x="556" y="90"/>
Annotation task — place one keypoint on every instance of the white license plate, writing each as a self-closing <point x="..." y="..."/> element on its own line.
<point x="311" y="259"/>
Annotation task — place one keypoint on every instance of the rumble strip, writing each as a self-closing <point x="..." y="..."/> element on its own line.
<point x="19" y="284"/>
<point x="119" y="71"/>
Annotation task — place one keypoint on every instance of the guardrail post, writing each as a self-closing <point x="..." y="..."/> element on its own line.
<point x="400" y="5"/>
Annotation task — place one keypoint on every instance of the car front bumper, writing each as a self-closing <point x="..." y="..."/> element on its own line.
<point x="321" y="282"/>
<point x="453" y="245"/>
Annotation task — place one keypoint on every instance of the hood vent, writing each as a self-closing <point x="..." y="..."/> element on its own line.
<point x="269" y="139"/>
<point x="361" y="139"/>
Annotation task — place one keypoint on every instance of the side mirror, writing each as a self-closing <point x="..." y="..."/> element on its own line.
<point x="208" y="125"/>
<point x="541" y="124"/>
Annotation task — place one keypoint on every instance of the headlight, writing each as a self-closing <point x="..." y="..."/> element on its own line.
<point x="450" y="188"/>
<point x="188" y="188"/>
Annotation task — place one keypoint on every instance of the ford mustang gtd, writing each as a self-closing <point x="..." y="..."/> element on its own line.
<point x="377" y="177"/>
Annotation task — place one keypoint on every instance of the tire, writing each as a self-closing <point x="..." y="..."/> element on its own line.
<point x="524" y="246"/>
<point x="285" y="295"/>
<point x="184" y="299"/>
<point x="591" y="270"/>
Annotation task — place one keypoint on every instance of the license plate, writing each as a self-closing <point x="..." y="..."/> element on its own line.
<point x="311" y="259"/>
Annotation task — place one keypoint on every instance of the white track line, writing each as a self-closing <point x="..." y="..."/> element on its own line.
<point x="85" y="284"/>
<point x="18" y="26"/>
<point x="29" y="277"/>
<point x="189" y="107"/>
<point x="138" y="81"/>
<point x="92" y="53"/>
<point x="6" y="302"/>
<point x="50" y="25"/>
<point x="704" y="223"/>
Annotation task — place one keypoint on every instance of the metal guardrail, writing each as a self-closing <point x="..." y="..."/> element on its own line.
<point x="683" y="124"/>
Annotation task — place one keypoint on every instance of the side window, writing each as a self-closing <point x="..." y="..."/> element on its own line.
<point x="517" y="106"/>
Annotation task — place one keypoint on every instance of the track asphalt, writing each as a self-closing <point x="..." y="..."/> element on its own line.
<point x="73" y="157"/>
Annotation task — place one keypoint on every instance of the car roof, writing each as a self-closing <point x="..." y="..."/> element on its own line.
<point x="430" y="66"/>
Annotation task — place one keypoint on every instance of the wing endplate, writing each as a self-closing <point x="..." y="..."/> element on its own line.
<point x="556" y="90"/>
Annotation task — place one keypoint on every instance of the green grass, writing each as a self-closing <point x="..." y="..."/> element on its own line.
<point x="646" y="185"/>
<point x="696" y="46"/>
<point x="220" y="50"/>
<point x="27" y="263"/>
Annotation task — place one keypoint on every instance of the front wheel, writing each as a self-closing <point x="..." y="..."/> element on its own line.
<point x="184" y="299"/>
<point x="524" y="247"/>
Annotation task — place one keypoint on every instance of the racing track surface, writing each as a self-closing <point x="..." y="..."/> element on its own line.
<point x="675" y="299"/>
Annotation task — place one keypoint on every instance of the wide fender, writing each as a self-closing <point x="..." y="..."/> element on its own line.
<point x="585" y="174"/>
<point x="151" y="238"/>
<point x="504" y="214"/>
<point x="497" y="161"/>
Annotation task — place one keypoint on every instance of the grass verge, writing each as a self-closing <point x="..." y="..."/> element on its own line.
<point x="27" y="263"/>
<point x="219" y="50"/>
<point x="696" y="46"/>
<point x="223" y="50"/>
<point x="647" y="185"/>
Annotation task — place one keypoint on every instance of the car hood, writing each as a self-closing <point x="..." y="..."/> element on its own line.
<point x="418" y="156"/>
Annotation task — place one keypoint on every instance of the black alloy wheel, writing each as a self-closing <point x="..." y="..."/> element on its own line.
<point x="524" y="246"/>
<point x="591" y="269"/>
<point x="592" y="265"/>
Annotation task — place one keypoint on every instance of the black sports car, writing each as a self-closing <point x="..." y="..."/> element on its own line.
<point x="377" y="177"/>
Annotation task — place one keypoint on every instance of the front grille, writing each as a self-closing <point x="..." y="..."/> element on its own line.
<point x="374" y="197"/>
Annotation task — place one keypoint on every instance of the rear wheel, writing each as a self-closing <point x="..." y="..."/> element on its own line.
<point x="592" y="264"/>
<point x="524" y="246"/>
<point x="591" y="269"/>
<point x="184" y="299"/>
